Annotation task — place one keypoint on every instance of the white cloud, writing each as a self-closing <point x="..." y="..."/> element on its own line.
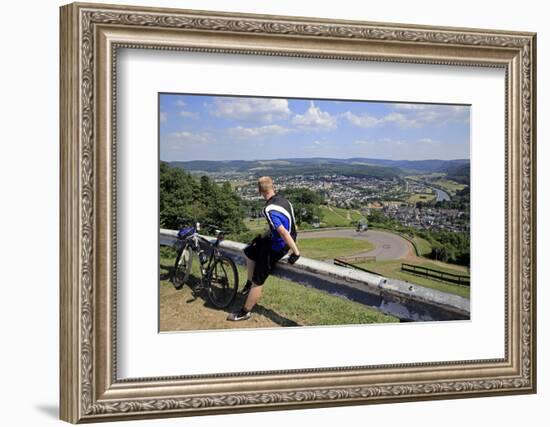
<point x="188" y="114"/>
<point x="380" y="141"/>
<point x="412" y="116"/>
<point x="435" y="114"/>
<point x="364" y="120"/>
<point x="186" y="137"/>
<point x="368" y="121"/>
<point x="411" y="106"/>
<point x="258" y="132"/>
<point x="264" y="110"/>
<point x="401" y="120"/>
<point x="163" y="117"/>
<point x="314" y="119"/>
<point x="391" y="141"/>
<point x="180" y="103"/>
<point x="363" y="142"/>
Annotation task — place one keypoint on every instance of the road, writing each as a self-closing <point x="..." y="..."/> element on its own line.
<point x="388" y="246"/>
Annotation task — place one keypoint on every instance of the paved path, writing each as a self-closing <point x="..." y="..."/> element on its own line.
<point x="388" y="246"/>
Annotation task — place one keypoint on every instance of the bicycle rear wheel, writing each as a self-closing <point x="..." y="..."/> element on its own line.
<point x="182" y="267"/>
<point x="223" y="281"/>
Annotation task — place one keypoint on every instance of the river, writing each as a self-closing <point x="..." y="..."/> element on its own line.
<point x="441" y="195"/>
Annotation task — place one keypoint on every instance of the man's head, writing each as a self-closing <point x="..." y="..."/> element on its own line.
<point x="265" y="187"/>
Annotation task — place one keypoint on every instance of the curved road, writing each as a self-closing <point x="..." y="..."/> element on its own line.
<point x="388" y="246"/>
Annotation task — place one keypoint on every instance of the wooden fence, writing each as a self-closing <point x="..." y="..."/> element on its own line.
<point x="437" y="274"/>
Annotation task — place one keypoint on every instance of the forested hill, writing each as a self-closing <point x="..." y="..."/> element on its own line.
<point x="459" y="173"/>
<point x="360" y="167"/>
<point x="282" y="167"/>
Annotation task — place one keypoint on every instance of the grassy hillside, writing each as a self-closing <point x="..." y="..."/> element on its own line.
<point x="283" y="303"/>
<point x="339" y="217"/>
<point x="423" y="246"/>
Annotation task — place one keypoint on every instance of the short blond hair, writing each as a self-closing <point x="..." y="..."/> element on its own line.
<point x="265" y="184"/>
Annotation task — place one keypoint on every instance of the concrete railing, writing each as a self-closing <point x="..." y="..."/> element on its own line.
<point x="408" y="302"/>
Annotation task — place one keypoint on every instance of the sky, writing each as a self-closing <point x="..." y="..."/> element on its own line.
<point x="205" y="127"/>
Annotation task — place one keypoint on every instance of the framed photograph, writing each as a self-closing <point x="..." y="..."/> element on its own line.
<point x="267" y="212"/>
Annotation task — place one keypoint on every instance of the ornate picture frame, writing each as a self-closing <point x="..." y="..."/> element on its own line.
<point x="90" y="37"/>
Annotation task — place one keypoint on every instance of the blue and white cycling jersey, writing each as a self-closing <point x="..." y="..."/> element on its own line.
<point x="278" y="211"/>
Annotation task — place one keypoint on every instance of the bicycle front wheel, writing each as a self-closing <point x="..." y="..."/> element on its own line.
<point x="223" y="282"/>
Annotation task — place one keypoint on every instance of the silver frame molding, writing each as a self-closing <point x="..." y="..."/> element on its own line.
<point x="90" y="37"/>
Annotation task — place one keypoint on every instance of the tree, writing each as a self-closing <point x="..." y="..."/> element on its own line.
<point x="377" y="216"/>
<point x="449" y="247"/>
<point x="204" y="201"/>
<point x="306" y="204"/>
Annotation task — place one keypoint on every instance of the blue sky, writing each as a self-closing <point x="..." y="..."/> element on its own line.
<point x="203" y="127"/>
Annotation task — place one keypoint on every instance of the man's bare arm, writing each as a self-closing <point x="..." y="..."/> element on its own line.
<point x="283" y="232"/>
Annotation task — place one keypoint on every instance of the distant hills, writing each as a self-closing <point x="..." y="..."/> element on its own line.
<point x="459" y="173"/>
<point x="424" y="166"/>
<point x="358" y="166"/>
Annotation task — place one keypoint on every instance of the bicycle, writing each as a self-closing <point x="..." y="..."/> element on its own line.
<point x="218" y="272"/>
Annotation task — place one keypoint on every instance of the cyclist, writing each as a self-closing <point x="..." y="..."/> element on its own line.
<point x="264" y="251"/>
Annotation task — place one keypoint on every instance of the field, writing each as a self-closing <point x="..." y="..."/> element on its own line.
<point x="425" y="197"/>
<point x="283" y="303"/>
<point x="328" y="248"/>
<point x="338" y="217"/>
<point x="448" y="185"/>
<point x="393" y="269"/>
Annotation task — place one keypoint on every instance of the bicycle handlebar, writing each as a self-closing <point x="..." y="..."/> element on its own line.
<point x="198" y="225"/>
<point x="194" y="221"/>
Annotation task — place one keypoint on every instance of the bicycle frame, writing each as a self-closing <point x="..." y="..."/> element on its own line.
<point x="196" y="239"/>
<point x="188" y="241"/>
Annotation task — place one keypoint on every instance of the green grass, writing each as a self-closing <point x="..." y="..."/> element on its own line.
<point x="355" y="215"/>
<point x="392" y="269"/>
<point x="332" y="218"/>
<point x="309" y="306"/>
<point x="332" y="247"/>
<point x="339" y="217"/>
<point x="306" y="306"/>
<point x="442" y="266"/>
<point x="423" y="246"/>
<point x="426" y="197"/>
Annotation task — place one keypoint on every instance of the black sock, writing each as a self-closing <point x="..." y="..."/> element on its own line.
<point x="243" y="312"/>
<point x="248" y="284"/>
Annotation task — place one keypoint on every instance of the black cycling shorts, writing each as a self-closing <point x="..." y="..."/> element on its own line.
<point x="265" y="258"/>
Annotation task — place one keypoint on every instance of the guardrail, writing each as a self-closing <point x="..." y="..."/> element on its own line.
<point x="404" y="300"/>
<point x="436" y="274"/>
<point x="357" y="258"/>
<point x="344" y="263"/>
